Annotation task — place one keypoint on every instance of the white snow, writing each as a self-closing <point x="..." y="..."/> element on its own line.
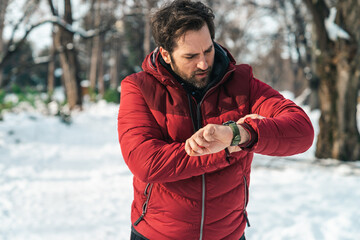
<point x="61" y="181"/>
<point x="70" y="182"/>
<point x="333" y="30"/>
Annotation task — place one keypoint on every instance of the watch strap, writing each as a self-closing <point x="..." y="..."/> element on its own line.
<point x="236" y="133"/>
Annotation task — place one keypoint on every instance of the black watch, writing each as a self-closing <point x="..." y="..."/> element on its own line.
<point x="236" y="133"/>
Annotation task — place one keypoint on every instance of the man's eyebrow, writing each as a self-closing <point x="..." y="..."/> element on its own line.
<point x="209" y="49"/>
<point x="194" y="54"/>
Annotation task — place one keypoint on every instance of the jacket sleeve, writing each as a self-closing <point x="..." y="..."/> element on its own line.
<point x="149" y="157"/>
<point x="286" y="130"/>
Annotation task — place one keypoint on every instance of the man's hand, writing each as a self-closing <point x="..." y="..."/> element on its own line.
<point x="210" y="139"/>
<point x="252" y="116"/>
<point x="214" y="137"/>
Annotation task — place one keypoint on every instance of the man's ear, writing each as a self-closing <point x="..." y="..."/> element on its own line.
<point x="165" y="55"/>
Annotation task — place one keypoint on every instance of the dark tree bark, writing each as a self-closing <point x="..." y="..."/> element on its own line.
<point x="101" y="83"/>
<point x="64" y="44"/>
<point x="96" y="48"/>
<point x="337" y="64"/>
<point x="3" y="6"/>
<point x="147" y="31"/>
<point x="51" y="68"/>
<point x="114" y="62"/>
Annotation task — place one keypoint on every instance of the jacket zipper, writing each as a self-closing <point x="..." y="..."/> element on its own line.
<point x="202" y="207"/>
<point x="199" y="125"/>
<point x="203" y="190"/>
<point x="246" y="202"/>
<point x="146" y="203"/>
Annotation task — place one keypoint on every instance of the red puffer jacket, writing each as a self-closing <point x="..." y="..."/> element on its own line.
<point x="182" y="197"/>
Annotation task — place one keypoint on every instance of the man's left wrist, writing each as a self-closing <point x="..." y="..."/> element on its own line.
<point x="236" y="137"/>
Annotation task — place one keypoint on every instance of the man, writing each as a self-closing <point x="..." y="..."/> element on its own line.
<point x="191" y="166"/>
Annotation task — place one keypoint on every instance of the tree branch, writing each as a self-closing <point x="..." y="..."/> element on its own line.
<point x="319" y="12"/>
<point x="52" y="8"/>
<point x="11" y="49"/>
<point x="29" y="9"/>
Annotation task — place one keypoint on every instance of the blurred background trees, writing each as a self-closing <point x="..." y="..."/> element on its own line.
<point x="93" y="44"/>
<point x="337" y="64"/>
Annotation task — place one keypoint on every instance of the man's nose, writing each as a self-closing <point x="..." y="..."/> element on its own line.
<point x="202" y="64"/>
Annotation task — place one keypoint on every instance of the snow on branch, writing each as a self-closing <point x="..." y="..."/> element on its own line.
<point x="333" y="30"/>
<point x="14" y="46"/>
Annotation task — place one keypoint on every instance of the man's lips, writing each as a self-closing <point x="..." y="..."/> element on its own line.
<point x="202" y="74"/>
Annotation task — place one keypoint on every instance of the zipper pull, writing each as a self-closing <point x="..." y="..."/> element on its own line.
<point x="139" y="219"/>
<point x="227" y="155"/>
<point x="247" y="219"/>
<point x="143" y="212"/>
<point x="144" y="207"/>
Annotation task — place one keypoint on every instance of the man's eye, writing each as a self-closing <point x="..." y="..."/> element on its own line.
<point x="189" y="57"/>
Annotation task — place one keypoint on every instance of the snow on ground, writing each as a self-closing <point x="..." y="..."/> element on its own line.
<point x="60" y="181"/>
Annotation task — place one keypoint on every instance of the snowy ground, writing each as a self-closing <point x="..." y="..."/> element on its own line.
<point x="61" y="181"/>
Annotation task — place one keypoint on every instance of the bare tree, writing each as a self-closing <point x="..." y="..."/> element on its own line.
<point x="96" y="45"/>
<point x="150" y="4"/>
<point x="232" y="32"/>
<point x="12" y="46"/>
<point x="274" y="69"/>
<point x="102" y="13"/>
<point x="295" y="22"/>
<point x="114" y="60"/>
<point x="337" y="65"/>
<point x="64" y="44"/>
<point x="101" y="82"/>
<point x="51" y="67"/>
<point x="3" y="6"/>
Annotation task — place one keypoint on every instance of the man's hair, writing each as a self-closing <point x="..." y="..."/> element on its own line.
<point x="175" y="18"/>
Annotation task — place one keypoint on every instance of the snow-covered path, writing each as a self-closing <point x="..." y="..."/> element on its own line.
<point x="304" y="200"/>
<point x="61" y="181"/>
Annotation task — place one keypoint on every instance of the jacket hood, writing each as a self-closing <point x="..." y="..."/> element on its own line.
<point x="152" y="65"/>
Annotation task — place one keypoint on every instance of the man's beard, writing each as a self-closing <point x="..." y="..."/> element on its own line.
<point x="193" y="80"/>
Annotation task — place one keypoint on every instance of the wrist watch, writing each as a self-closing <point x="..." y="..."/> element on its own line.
<point x="236" y="133"/>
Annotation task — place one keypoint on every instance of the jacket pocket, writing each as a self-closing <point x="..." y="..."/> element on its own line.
<point x="147" y="193"/>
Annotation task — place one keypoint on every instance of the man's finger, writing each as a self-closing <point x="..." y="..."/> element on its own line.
<point x="201" y="141"/>
<point x="252" y="116"/>
<point x="194" y="146"/>
<point x="187" y="147"/>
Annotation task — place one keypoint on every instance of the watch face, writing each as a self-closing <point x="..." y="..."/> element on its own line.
<point x="228" y="122"/>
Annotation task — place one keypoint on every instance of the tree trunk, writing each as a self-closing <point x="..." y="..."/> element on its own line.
<point x="95" y="49"/>
<point x="114" y="63"/>
<point x="3" y="6"/>
<point x="147" y="29"/>
<point x="65" y="45"/>
<point x="51" y="68"/>
<point x="101" y="82"/>
<point x="94" y="63"/>
<point x="337" y="68"/>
